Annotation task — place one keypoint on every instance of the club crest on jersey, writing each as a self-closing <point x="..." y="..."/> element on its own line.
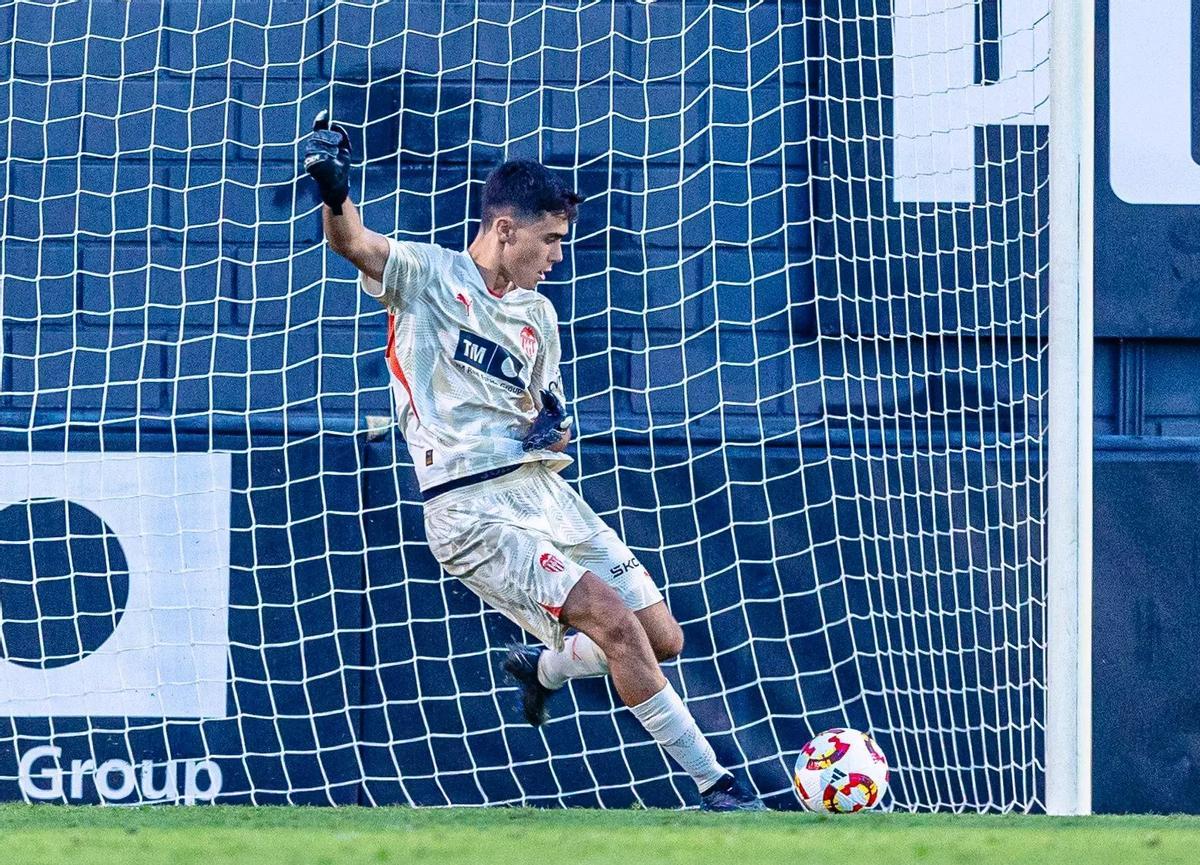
<point x="529" y="341"/>
<point x="494" y="361"/>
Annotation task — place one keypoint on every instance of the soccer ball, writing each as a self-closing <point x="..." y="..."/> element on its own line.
<point x="841" y="771"/>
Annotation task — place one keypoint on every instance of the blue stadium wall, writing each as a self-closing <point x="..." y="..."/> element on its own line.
<point x="1147" y="549"/>
<point x="1147" y="424"/>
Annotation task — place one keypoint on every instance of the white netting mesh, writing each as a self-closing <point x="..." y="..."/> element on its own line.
<point x="802" y="318"/>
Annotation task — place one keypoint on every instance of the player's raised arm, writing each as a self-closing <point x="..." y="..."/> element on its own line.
<point x="327" y="159"/>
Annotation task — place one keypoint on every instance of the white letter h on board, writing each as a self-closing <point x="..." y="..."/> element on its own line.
<point x="936" y="103"/>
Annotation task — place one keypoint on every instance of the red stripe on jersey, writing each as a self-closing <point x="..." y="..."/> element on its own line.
<point x="394" y="364"/>
<point x="556" y="612"/>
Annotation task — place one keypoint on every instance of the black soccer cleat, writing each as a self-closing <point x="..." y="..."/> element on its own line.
<point x="728" y="795"/>
<point x="522" y="664"/>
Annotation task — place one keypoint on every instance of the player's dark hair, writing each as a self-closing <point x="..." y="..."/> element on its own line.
<point x="529" y="189"/>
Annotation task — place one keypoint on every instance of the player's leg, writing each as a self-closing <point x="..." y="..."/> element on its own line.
<point x="595" y="608"/>
<point x="581" y="658"/>
<point x="663" y="632"/>
<point x="606" y="555"/>
<point x="523" y="574"/>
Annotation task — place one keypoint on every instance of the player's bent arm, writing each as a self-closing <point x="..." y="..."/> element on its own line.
<point x="349" y="238"/>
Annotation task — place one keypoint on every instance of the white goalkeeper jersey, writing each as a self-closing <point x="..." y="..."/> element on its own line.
<point x="465" y="365"/>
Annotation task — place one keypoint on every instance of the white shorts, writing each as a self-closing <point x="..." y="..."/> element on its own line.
<point x="523" y="540"/>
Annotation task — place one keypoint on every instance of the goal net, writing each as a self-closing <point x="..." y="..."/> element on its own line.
<point x="803" y="315"/>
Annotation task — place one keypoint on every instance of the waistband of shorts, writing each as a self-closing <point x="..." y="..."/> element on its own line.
<point x="469" y="480"/>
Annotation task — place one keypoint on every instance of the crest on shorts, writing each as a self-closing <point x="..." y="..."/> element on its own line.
<point x="551" y="563"/>
<point x="529" y="341"/>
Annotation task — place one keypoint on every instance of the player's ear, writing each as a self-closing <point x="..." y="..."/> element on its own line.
<point x="504" y="228"/>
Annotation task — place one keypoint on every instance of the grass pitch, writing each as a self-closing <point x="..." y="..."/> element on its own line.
<point x="32" y="835"/>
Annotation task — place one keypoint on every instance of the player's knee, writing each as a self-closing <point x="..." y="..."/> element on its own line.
<point x="617" y="632"/>
<point x="670" y="644"/>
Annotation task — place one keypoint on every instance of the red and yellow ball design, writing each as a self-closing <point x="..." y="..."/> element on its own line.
<point x="841" y="771"/>
<point x="854" y="794"/>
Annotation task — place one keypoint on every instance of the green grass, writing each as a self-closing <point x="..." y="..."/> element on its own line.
<point x="31" y="835"/>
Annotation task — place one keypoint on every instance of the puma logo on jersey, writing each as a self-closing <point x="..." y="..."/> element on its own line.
<point x="464" y="300"/>
<point x="494" y="361"/>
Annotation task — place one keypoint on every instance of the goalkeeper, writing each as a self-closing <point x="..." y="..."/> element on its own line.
<point x="473" y="352"/>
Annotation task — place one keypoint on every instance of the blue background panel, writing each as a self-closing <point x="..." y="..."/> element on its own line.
<point x="1145" y="612"/>
<point x="295" y="632"/>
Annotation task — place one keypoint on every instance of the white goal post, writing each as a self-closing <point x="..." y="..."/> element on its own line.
<point x="1069" y="547"/>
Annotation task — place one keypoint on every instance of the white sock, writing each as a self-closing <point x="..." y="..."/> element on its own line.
<point x="580" y="657"/>
<point x="670" y="723"/>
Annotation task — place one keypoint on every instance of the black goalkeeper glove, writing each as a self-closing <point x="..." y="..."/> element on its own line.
<point x="327" y="159"/>
<point x="549" y="425"/>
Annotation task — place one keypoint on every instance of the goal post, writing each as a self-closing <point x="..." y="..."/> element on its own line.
<point x="1069" y="529"/>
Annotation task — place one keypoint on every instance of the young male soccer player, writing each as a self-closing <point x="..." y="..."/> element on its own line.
<point x="469" y="346"/>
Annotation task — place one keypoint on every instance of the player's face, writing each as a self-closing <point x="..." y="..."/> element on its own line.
<point x="532" y="248"/>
